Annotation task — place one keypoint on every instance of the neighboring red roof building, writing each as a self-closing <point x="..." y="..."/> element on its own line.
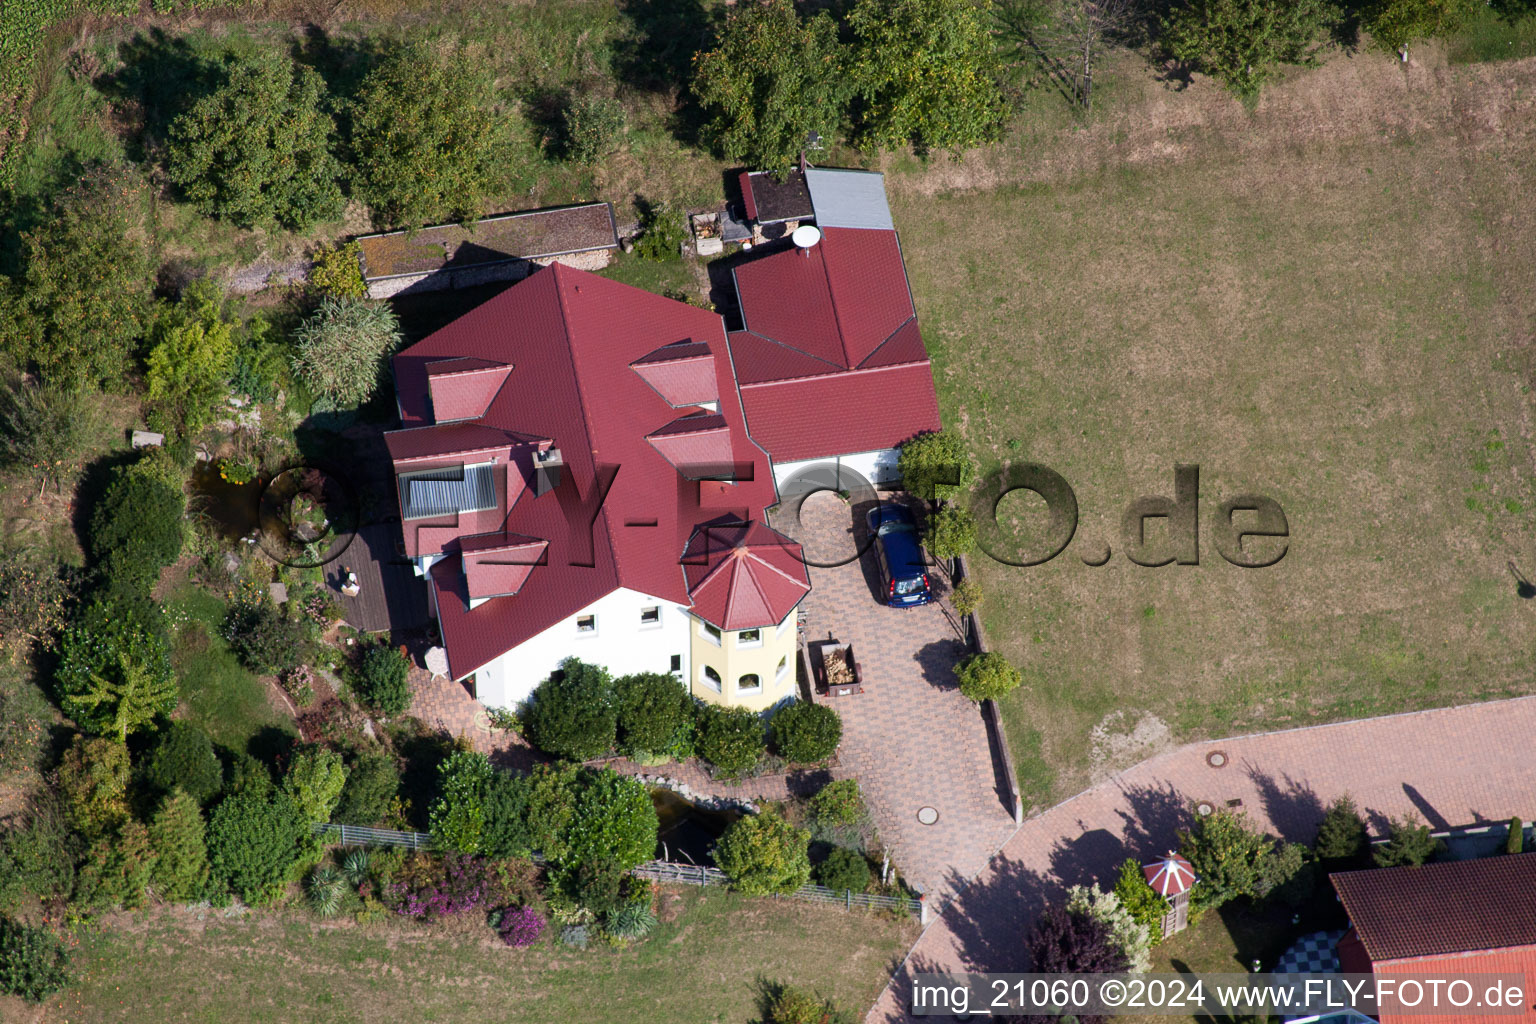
<point x="578" y="475"/>
<point x="1461" y="917"/>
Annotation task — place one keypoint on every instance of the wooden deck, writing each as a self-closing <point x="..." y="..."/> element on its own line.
<point x="391" y="595"/>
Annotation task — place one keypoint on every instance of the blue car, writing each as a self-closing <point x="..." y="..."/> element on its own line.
<point x="903" y="573"/>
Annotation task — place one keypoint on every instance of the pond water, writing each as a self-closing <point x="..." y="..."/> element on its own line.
<point x="687" y="830"/>
<point x="233" y="509"/>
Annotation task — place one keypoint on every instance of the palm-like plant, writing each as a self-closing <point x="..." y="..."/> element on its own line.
<point x="354" y="867"/>
<point x="632" y="921"/>
<point x="325" y="890"/>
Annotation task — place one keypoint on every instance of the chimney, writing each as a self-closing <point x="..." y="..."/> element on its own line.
<point x="546" y="471"/>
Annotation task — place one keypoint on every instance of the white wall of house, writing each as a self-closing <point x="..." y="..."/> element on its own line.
<point x="620" y="640"/>
<point x="878" y="467"/>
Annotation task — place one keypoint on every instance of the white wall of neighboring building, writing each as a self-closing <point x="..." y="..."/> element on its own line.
<point x="621" y="642"/>
<point x="878" y="467"/>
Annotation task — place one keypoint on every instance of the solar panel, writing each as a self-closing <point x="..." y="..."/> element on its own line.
<point x="441" y="492"/>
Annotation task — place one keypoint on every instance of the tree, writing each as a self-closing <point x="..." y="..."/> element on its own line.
<point x="137" y="528"/>
<point x="384" y="682"/>
<point x="93" y="780"/>
<point x="46" y="429"/>
<point x="181" y="853"/>
<point x="1227" y="857"/>
<point x="117" y="869"/>
<point x="373" y="780"/>
<point x="1140" y="900"/>
<point x="1242" y="42"/>
<point x="183" y="758"/>
<point x="844" y="869"/>
<point x="771" y="80"/>
<point x="592" y="127"/>
<point x="987" y="676"/>
<point x="1394" y="24"/>
<point x="338" y="271"/>
<point x="731" y="739"/>
<point x="31" y="607"/>
<point x="254" y="840"/>
<point x="651" y="708"/>
<point x="967" y="597"/>
<point x="315" y="778"/>
<point x="32" y="961"/>
<point x="1288" y="874"/>
<point x="1515" y="842"/>
<point x="265" y="639"/>
<point x="342" y="348"/>
<point x="614" y="821"/>
<point x="1409" y="844"/>
<point x="763" y="854"/>
<point x="507" y="832"/>
<point x="1342" y="841"/>
<point x="85" y="293"/>
<point x="1131" y="937"/>
<point x="258" y="148"/>
<point x="424" y="146"/>
<point x="1065" y="941"/>
<point x="192" y="357"/>
<point x="457" y="817"/>
<point x="114" y="673"/>
<point x="1068" y="37"/>
<point x="951" y="532"/>
<point x="571" y="714"/>
<point x="936" y="466"/>
<point x="926" y="74"/>
<point x="805" y="732"/>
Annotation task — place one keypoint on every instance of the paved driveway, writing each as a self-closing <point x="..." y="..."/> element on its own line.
<point x="911" y="739"/>
<point x="1450" y="767"/>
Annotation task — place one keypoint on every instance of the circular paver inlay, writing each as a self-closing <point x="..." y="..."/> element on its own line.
<point x="1216" y="759"/>
<point x="927" y="815"/>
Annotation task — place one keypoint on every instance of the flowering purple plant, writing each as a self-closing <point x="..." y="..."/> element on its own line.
<point x="440" y="888"/>
<point x="520" y="926"/>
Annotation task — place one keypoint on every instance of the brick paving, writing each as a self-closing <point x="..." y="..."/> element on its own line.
<point x="1454" y="766"/>
<point x="910" y="738"/>
<point x="446" y="706"/>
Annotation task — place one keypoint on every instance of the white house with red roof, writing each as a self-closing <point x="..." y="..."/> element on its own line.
<point x="583" y="467"/>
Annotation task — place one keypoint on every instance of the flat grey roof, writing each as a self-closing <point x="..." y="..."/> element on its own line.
<point x="849" y="199"/>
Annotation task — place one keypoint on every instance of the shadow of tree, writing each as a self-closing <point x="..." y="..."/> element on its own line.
<point x="1293" y="807"/>
<point x="162" y="75"/>
<point x="1154" y="819"/>
<point x="1087" y="858"/>
<point x="657" y="55"/>
<point x="937" y="661"/>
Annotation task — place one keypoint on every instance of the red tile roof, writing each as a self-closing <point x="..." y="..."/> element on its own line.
<point x="1169" y="876"/>
<point x="744" y="575"/>
<point x="621" y="515"/>
<point x="1456" y="907"/>
<point x="843" y="413"/>
<point x="462" y="388"/>
<point x="683" y="373"/>
<point x="498" y="564"/>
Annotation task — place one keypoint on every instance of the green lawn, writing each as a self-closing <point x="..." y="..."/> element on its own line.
<point x="217" y="692"/>
<point x="707" y="964"/>
<point x="1342" y="325"/>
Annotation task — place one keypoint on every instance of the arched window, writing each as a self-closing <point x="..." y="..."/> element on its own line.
<point x="711" y="678"/>
<point x="749" y="683"/>
<point x="783" y="669"/>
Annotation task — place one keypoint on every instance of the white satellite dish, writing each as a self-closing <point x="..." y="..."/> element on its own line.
<point x="805" y="236"/>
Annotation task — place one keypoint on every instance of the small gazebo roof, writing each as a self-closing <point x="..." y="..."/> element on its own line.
<point x="1169" y="876"/>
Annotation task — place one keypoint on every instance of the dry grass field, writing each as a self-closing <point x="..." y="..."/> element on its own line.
<point x="1331" y="302"/>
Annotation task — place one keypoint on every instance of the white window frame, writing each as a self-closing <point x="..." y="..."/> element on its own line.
<point x="704" y="631"/>
<point x="749" y="691"/>
<point x="788" y="622"/>
<point x="749" y="643"/>
<point x="653" y="623"/>
<point x="589" y="631"/>
<point x="782" y="670"/>
<point x="708" y="683"/>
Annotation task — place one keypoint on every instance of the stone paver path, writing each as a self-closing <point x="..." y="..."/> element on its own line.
<point x="910" y="738"/>
<point x="1450" y="767"/>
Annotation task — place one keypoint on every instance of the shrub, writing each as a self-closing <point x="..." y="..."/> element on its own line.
<point x="551" y="806"/>
<point x="383" y="681"/>
<point x="117" y="869"/>
<point x="37" y="855"/>
<point x="1227" y="856"/>
<point x="1140" y="900"/>
<point x="315" y="779"/>
<point x="805" y="732"/>
<point x="183" y="756"/>
<point x="338" y="271"/>
<point x="1288" y="875"/>
<point x="634" y="920"/>
<point x="788" y="1005"/>
<point x="424" y="146"/>
<point x="520" y="926"/>
<point x="838" y="804"/>
<point x="254" y="840"/>
<point x="93" y="781"/>
<point x="593" y="125"/>
<point x="342" y="349"/>
<point x="731" y="739"/>
<point x="326" y="890"/>
<point x="1132" y="937"/>
<point x="114" y="675"/>
<point x="25" y="716"/>
<point x="457" y="816"/>
<point x="614" y="820"/>
<point x="764" y="854"/>
<point x="429" y="887"/>
<point x="32" y="961"/>
<point x="260" y="368"/>
<point x="651" y="709"/>
<point x="1410" y="844"/>
<point x="181" y="852"/>
<point x="1342" y="840"/>
<point x="137" y="529"/>
<point x="373" y="779"/>
<point x="45" y="429"/>
<point x="951" y="532"/>
<point x="257" y="148"/>
<point x="844" y="869"/>
<point x="506" y="831"/>
<point x="936" y="466"/>
<point x="1515" y="843"/>
<point x="264" y="639"/>
<point x="967" y="597"/>
<point x="987" y="676"/>
<point x="571" y="714"/>
<point x="1241" y="43"/>
<point x="191" y="358"/>
<point x="1071" y="942"/>
<point x="662" y="232"/>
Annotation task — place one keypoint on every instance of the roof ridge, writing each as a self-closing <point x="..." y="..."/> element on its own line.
<point x="840" y="373"/>
<point x="834" y="368"/>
